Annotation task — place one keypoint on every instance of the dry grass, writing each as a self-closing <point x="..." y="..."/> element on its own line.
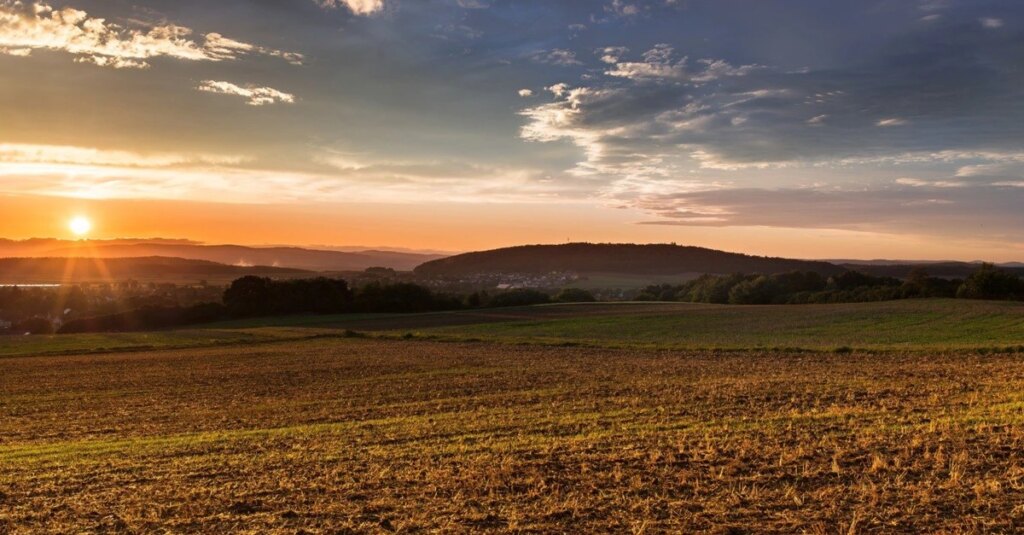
<point x="336" y="436"/>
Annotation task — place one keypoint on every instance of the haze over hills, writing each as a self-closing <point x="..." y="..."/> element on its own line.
<point x="79" y="270"/>
<point x="291" y="257"/>
<point x="653" y="259"/>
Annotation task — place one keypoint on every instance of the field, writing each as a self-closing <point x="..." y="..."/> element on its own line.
<point x="907" y="326"/>
<point x="546" y="426"/>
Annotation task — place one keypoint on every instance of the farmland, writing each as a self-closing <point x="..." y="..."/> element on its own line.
<point x="284" y="427"/>
<point x="908" y="326"/>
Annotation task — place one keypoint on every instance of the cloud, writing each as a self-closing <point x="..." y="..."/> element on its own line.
<point x="915" y="98"/>
<point x="525" y="93"/>
<point x="558" y="56"/>
<point x="658" y="65"/>
<point x="612" y="54"/>
<point x="25" y="28"/>
<point x="916" y="209"/>
<point x="918" y="183"/>
<point x="359" y="7"/>
<point x="623" y="8"/>
<point x="29" y="154"/>
<point x="991" y="22"/>
<point x="892" y="121"/>
<point x="255" y="95"/>
<point x="124" y="175"/>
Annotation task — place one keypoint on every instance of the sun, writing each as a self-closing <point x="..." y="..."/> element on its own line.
<point x="80" y="226"/>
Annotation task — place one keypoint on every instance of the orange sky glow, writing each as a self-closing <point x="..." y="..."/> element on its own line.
<point x="450" y="227"/>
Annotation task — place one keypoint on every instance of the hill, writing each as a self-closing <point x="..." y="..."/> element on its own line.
<point x="655" y="259"/>
<point x="292" y="257"/>
<point x="68" y="270"/>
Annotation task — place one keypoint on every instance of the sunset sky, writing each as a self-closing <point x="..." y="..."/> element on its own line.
<point x="853" y="129"/>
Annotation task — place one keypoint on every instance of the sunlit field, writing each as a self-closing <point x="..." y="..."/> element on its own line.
<point x="909" y="325"/>
<point x="295" y="434"/>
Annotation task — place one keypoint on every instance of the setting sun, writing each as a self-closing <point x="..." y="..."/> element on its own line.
<point x="80" y="226"/>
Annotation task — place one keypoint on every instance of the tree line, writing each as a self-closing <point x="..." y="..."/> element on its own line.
<point x="803" y="287"/>
<point x="253" y="296"/>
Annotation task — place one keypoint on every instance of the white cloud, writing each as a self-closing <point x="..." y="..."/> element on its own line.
<point x="256" y="96"/>
<point x="716" y="68"/>
<point x="559" y="89"/>
<point x="658" y="65"/>
<point x="24" y="28"/>
<point x="359" y="7"/>
<point x="991" y="22"/>
<point x="623" y="9"/>
<point x="612" y="54"/>
<point x="919" y="183"/>
<point x="817" y="120"/>
<point x="892" y="121"/>
<point x="525" y="93"/>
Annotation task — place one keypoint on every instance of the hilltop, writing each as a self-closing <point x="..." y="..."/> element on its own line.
<point x="654" y="259"/>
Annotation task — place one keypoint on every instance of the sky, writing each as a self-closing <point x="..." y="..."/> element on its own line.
<point x="847" y="129"/>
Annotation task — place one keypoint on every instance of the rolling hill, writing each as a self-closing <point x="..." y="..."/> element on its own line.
<point x="655" y="259"/>
<point x="291" y="257"/>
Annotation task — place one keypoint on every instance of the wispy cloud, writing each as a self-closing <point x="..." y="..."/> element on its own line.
<point x="83" y="172"/>
<point x="991" y="22"/>
<point x="29" y="154"/>
<point x="38" y="26"/>
<point x="255" y="95"/>
<point x="558" y="56"/>
<point x="892" y="121"/>
<point x="658" y="65"/>
<point x="359" y="7"/>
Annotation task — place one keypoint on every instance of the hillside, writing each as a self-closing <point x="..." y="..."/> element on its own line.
<point x="67" y="270"/>
<point x="655" y="259"/>
<point x="292" y="257"/>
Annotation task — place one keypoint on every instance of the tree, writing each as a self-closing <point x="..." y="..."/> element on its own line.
<point x="760" y="291"/>
<point x="249" y="296"/>
<point x="574" y="295"/>
<point x="990" y="282"/>
<point x="517" y="298"/>
<point x="400" y="297"/>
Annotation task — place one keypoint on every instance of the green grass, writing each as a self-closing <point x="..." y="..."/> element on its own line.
<point x="897" y="325"/>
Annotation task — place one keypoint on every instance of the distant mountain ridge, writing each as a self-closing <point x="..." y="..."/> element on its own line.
<point x="654" y="259"/>
<point x="946" y="270"/>
<point x="78" y="270"/>
<point x="291" y="257"/>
